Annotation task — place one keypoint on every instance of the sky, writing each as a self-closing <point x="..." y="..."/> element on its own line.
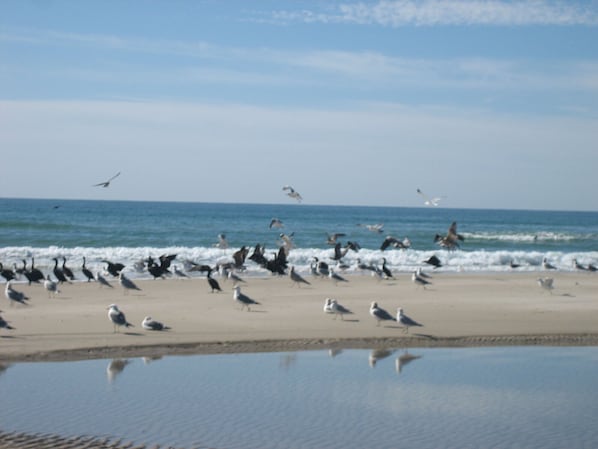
<point x="487" y="104"/>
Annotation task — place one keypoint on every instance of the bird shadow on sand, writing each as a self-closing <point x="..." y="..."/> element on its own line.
<point x="134" y="334"/>
<point x="8" y="337"/>
<point x="353" y="320"/>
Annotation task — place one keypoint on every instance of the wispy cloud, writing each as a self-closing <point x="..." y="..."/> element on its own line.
<point x="439" y="12"/>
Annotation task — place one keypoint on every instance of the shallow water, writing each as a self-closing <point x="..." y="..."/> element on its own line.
<point x="519" y="397"/>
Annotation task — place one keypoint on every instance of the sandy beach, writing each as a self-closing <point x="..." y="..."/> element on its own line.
<point x="456" y="310"/>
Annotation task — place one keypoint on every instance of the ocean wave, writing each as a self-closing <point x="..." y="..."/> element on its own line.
<point x="526" y="237"/>
<point x="399" y="261"/>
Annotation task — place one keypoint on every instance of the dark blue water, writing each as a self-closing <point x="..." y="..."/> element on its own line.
<point x="517" y="397"/>
<point x="128" y="230"/>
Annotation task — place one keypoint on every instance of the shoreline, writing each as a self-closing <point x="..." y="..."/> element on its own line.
<point x="457" y="310"/>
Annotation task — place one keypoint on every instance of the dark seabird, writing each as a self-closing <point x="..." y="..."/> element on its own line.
<point x="35" y="274"/>
<point x="406" y="321"/>
<point x="114" y="268"/>
<point x="434" y="261"/>
<point x="58" y="273"/>
<point x="579" y="266"/>
<point x="243" y="299"/>
<point x="213" y="283"/>
<point x="239" y="257"/>
<point x="88" y="274"/>
<point x="451" y="240"/>
<point x="152" y="325"/>
<point x="547" y="265"/>
<point x="386" y="270"/>
<point x="6" y="273"/>
<point x="67" y="271"/>
<point x="395" y="243"/>
<point x="276" y="223"/>
<point x="106" y="183"/>
<point x="117" y="317"/>
<point x="380" y="314"/>
<point x="13" y="295"/>
<point x="297" y="278"/>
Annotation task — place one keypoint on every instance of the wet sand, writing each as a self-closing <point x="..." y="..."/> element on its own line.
<point x="456" y="310"/>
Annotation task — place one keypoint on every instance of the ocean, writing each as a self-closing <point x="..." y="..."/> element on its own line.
<point x="129" y="231"/>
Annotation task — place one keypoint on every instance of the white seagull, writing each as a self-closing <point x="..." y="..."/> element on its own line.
<point x="547" y="265"/>
<point x="546" y="284"/>
<point x="117" y="317"/>
<point x="13" y="295"/>
<point x="126" y="283"/>
<point x="380" y="314"/>
<point x="106" y="183"/>
<point x="152" y="325"/>
<point x="243" y="299"/>
<point x="102" y="280"/>
<point x="51" y="287"/>
<point x="297" y="278"/>
<point x="405" y="320"/>
<point x="292" y="193"/>
<point x="332" y="306"/>
<point x="418" y="280"/>
<point x="430" y="201"/>
<point x="336" y="278"/>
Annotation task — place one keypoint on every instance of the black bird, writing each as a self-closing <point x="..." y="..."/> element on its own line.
<point x="157" y="271"/>
<point x="451" y="240"/>
<point x="394" y="242"/>
<point x="239" y="257"/>
<point x="88" y="274"/>
<point x="434" y="261"/>
<point x="114" y="268"/>
<point x="106" y="183"/>
<point x="213" y="283"/>
<point x="279" y="264"/>
<point x="66" y="270"/>
<point x="6" y="273"/>
<point x="36" y="275"/>
<point x="258" y="255"/>
<point x="59" y="273"/>
<point x="386" y="270"/>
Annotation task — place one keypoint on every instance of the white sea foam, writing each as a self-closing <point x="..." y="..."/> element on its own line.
<point x="397" y="260"/>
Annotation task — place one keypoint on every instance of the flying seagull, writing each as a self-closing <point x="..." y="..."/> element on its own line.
<point x="106" y="183"/>
<point x="292" y="193"/>
<point x="430" y="201"/>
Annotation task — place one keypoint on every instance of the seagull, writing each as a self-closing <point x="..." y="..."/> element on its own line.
<point x="117" y="317"/>
<point x="14" y="295"/>
<point x="331" y="239"/>
<point x="106" y="183"/>
<point x="297" y="278"/>
<point x="4" y="324"/>
<point x="380" y="314"/>
<point x="579" y="266"/>
<point x="152" y="325"/>
<point x="234" y="277"/>
<point x="126" y="283"/>
<point x="377" y="227"/>
<point x="406" y="321"/>
<point x="293" y="193"/>
<point x="276" y="223"/>
<point x="222" y="242"/>
<point x="51" y="287"/>
<point x="546" y="284"/>
<point x="245" y="300"/>
<point x="430" y="201"/>
<point x="336" y="278"/>
<point x="102" y="280"/>
<point x="417" y="280"/>
<point x="179" y="273"/>
<point x="332" y="306"/>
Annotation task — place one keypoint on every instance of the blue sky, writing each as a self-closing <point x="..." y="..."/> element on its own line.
<point x="492" y="104"/>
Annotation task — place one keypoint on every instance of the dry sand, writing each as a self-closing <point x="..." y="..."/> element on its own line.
<point x="456" y="310"/>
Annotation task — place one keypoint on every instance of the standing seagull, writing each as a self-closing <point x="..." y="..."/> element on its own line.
<point x="152" y="325"/>
<point x="332" y="306"/>
<point x="4" y="324"/>
<point x="297" y="278"/>
<point x="117" y="317"/>
<point x="51" y="287"/>
<point x="126" y="283"/>
<point x="102" y="280"/>
<point x="380" y="314"/>
<point x="106" y="183"/>
<point x="293" y="193"/>
<point x="243" y="299"/>
<point x="13" y="295"/>
<point x="336" y="278"/>
<point x="418" y="280"/>
<point x="405" y="320"/>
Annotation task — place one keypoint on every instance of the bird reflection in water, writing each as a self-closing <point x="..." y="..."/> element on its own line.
<point x="405" y="359"/>
<point x="379" y="354"/>
<point x="115" y="367"/>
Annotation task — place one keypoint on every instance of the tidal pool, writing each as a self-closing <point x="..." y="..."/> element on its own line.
<point x="511" y="397"/>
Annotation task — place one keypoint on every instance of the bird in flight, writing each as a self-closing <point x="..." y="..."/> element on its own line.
<point x="292" y="193"/>
<point x="430" y="201"/>
<point x="106" y="183"/>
